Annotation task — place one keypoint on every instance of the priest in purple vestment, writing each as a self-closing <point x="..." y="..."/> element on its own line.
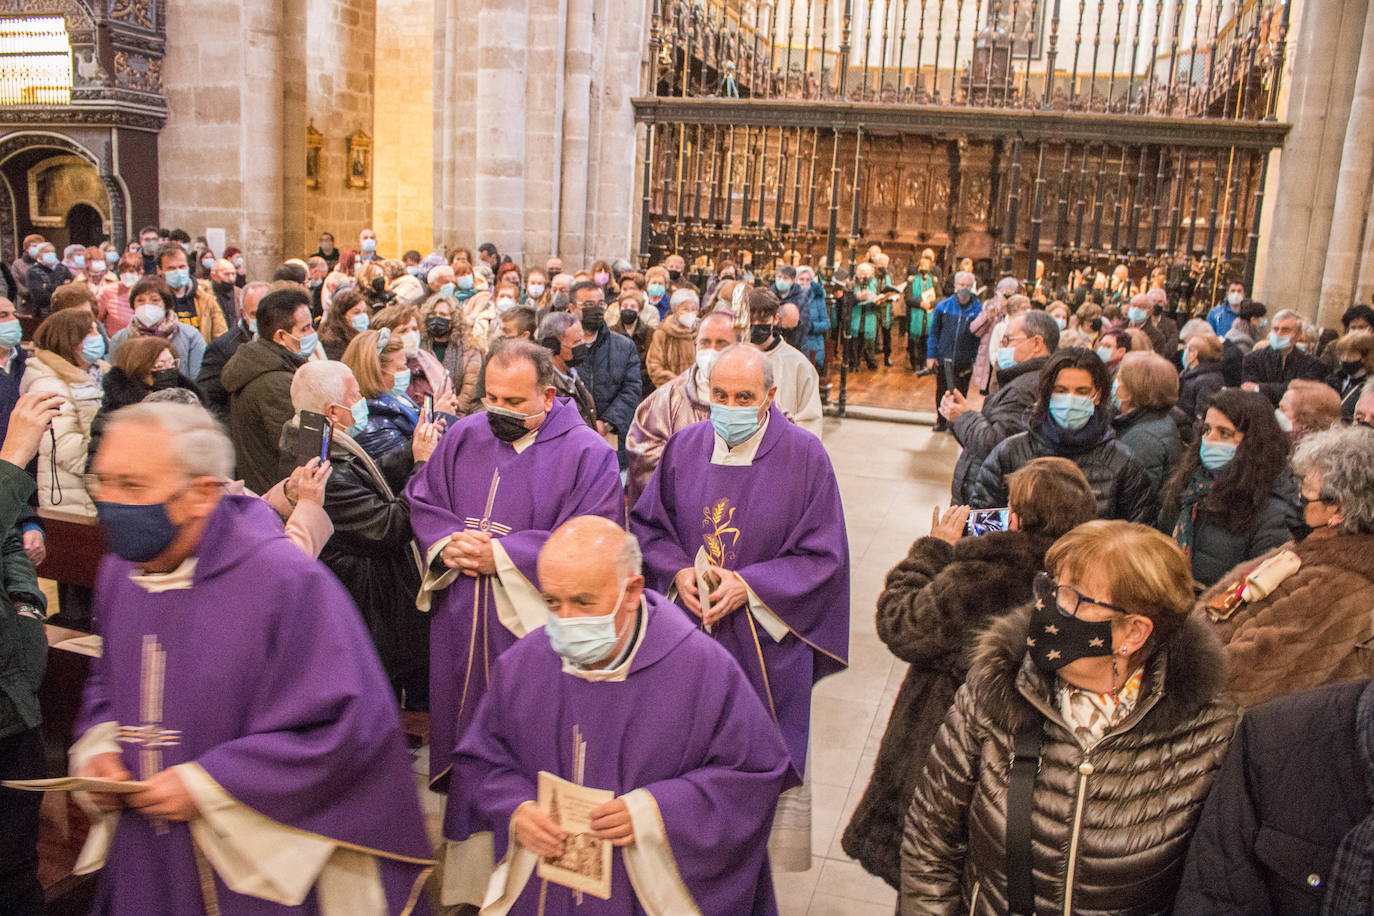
<point x="754" y="498"/>
<point x="482" y="507"/>
<point x="237" y="682"/>
<point x="620" y="693"/>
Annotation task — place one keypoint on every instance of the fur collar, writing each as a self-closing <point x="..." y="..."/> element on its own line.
<point x="67" y="372"/>
<point x="1186" y="673"/>
<point x="1350" y="552"/>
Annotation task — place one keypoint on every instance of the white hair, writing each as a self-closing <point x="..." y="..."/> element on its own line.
<point x="199" y="446"/>
<point x="1008" y="286"/>
<point x="681" y="296"/>
<point x="959" y="277"/>
<point x="629" y="562"/>
<point x="436" y="272"/>
<point x="318" y="384"/>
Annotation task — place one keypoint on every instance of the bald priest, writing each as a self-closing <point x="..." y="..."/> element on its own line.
<point x="618" y="692"/>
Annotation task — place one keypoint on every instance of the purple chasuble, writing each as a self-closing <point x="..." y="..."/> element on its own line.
<point x="684" y="725"/>
<point x="474" y="481"/>
<point x="264" y="675"/>
<point x="780" y="525"/>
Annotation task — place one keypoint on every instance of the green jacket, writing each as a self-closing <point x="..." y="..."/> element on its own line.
<point x="23" y="644"/>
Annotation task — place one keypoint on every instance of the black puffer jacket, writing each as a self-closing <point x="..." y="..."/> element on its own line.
<point x="1118" y="480"/>
<point x="121" y="390"/>
<point x="934" y="603"/>
<point x="1152" y="437"/>
<point x="1197" y="385"/>
<point x="1004" y="414"/>
<point x="1125" y="808"/>
<point x="1217" y="550"/>
<point x="370" y="553"/>
<point x="1292" y="786"/>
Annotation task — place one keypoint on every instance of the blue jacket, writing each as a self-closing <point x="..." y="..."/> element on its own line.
<point x="1221" y="317"/>
<point x="819" y="318"/>
<point x="611" y="373"/>
<point x="950" y="337"/>
<point x="386" y="438"/>
<point x="799" y="296"/>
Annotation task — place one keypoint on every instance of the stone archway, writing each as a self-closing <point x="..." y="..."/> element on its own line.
<point x="85" y="225"/>
<point x="20" y="154"/>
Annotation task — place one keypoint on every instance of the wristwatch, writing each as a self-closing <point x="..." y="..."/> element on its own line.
<point x="24" y="609"/>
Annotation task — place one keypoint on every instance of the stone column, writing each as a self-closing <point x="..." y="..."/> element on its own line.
<point x="573" y="243"/>
<point x="292" y="25"/>
<point x="456" y="110"/>
<point x="502" y="28"/>
<point x="613" y="202"/>
<point x="1343" y="254"/>
<point x="402" y="166"/>
<point x="1326" y="52"/>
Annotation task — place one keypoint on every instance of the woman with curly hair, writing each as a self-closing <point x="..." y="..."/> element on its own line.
<point x="1232" y="498"/>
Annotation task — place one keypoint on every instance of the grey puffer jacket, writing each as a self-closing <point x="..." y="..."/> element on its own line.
<point x="1004" y="414"/>
<point x="1110" y="826"/>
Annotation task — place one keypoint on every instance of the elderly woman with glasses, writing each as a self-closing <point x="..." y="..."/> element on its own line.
<point x="1296" y="617"/>
<point x="1073" y="766"/>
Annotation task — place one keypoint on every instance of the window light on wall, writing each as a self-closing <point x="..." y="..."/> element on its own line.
<point x="35" y="61"/>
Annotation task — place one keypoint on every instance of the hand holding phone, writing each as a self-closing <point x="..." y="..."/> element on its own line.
<point x="983" y="521"/>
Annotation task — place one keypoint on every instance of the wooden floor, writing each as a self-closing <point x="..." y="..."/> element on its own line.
<point x="895" y="388"/>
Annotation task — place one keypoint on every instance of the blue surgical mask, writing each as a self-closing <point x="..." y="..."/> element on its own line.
<point x="1104" y="354"/>
<point x="307" y="344"/>
<point x="656" y="290"/>
<point x="1279" y="344"/>
<point x="136" y="533"/>
<point x="112" y="258"/>
<point x="79" y="261"/>
<point x="1071" y="411"/>
<point x="369" y="245"/>
<point x="49" y="259"/>
<point x="402" y="383"/>
<point x="465" y="281"/>
<point x="415" y="271"/>
<point x="734" y="424"/>
<point x="1061" y="322"/>
<point x="360" y="322"/>
<point x="11" y="332"/>
<point x="92" y="348"/>
<point x="782" y="286"/>
<point x="253" y="326"/>
<point x="1215" y="455"/>
<point x="179" y="278"/>
<point x="33" y="252"/>
<point x="1136" y="316"/>
<point x="360" y="417"/>
<point x="1006" y="357"/>
<point x="585" y="641"/>
<point x="1116" y="385"/>
<point x="446" y="289"/>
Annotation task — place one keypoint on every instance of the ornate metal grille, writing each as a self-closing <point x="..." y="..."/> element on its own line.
<point x="35" y="61"/>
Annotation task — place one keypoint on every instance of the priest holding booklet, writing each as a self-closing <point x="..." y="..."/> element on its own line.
<point x="618" y="697"/>
<point x="238" y="684"/>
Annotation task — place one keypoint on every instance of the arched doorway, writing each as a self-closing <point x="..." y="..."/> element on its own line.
<point x="84" y="225"/>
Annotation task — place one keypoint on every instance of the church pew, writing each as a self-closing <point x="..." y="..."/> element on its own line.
<point x="75" y="545"/>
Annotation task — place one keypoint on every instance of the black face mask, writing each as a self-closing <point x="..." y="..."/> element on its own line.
<point x="628" y="318"/>
<point x="165" y="378"/>
<point x="760" y="334"/>
<point x="1054" y="639"/>
<point x="578" y="357"/>
<point x="1351" y="367"/>
<point x="506" y="425"/>
<point x="593" y="319"/>
<point x="438" y="326"/>
<point x="222" y="288"/>
<point x="963" y="295"/>
<point x="674" y="275"/>
<point x="552" y="344"/>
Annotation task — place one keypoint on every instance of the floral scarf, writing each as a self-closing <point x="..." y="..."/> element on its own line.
<point x="1197" y="491"/>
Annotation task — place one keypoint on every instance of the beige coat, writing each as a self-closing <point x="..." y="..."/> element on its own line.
<point x="61" y="470"/>
<point x="672" y="351"/>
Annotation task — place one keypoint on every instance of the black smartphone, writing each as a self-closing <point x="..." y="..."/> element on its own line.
<point x="982" y="521"/>
<point x="429" y="408"/>
<point x="316" y="434"/>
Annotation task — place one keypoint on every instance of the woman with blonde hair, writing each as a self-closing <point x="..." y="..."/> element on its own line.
<point x="1144" y="394"/>
<point x="393" y="434"/>
<point x="1080" y="749"/>
<point x="1307" y="407"/>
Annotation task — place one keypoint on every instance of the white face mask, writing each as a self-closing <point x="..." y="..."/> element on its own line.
<point x="129" y="279"/>
<point x="150" y="316"/>
<point x="687" y="320"/>
<point x="505" y="304"/>
<point x="706" y="361"/>
<point x="410" y="342"/>
<point x="536" y="290"/>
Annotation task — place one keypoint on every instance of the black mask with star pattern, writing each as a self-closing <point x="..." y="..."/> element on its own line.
<point x="1055" y="639"/>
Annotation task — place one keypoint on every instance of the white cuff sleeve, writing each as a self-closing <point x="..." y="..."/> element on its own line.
<point x="99" y="739"/>
<point x="432" y="581"/>
<point x="512" y="873"/>
<point x="772" y="624"/>
<point x="519" y="606"/>
<point x="649" y="861"/>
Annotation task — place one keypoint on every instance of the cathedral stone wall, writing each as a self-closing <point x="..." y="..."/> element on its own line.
<point x="340" y="50"/>
<point x="403" y="168"/>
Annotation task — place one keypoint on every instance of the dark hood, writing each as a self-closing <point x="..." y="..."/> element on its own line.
<point x="256" y="358"/>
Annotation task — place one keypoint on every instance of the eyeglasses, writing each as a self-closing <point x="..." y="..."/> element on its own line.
<point x="1304" y="500"/>
<point x="1066" y="598"/>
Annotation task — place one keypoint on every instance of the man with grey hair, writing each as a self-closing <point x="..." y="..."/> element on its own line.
<point x="660" y="719"/>
<point x="680" y="403"/>
<point x="238" y="686"/>
<point x="952" y="347"/>
<point x="1027" y="342"/>
<point x="561" y="334"/>
<point x="1268" y="370"/>
<point x="742" y="522"/>
<point x="226" y="345"/>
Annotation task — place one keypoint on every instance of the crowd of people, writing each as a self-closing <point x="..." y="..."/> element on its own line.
<point x="549" y="502"/>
